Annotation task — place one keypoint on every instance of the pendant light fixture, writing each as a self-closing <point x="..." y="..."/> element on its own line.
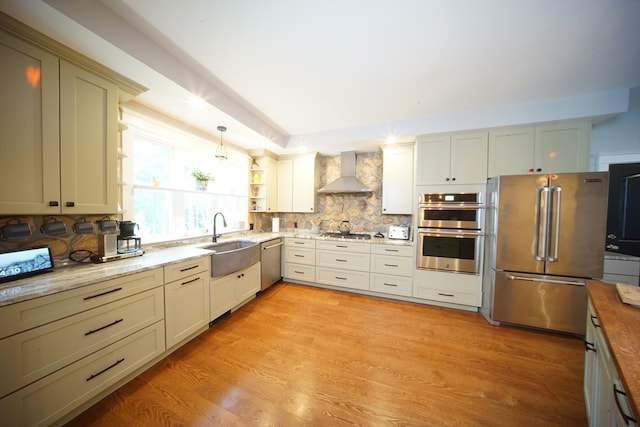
<point x="221" y="152"/>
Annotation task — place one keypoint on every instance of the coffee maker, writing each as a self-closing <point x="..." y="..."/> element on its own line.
<point x="128" y="242"/>
<point x="117" y="240"/>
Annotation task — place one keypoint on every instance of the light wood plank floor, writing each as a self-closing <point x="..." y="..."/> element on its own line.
<point x="304" y="356"/>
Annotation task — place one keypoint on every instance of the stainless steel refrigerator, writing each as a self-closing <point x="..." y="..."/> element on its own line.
<point x="545" y="235"/>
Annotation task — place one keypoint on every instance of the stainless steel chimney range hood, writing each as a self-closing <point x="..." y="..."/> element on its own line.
<point x="347" y="182"/>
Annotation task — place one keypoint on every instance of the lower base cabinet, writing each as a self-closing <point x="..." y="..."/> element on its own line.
<point x="45" y="401"/>
<point x="605" y="400"/>
<point x="453" y="288"/>
<point x="186" y="299"/>
<point x="230" y="291"/>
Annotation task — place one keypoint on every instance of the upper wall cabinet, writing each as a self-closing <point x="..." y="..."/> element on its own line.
<point x="59" y="126"/>
<point x="459" y="158"/>
<point x="298" y="181"/>
<point x="397" y="179"/>
<point x="560" y="147"/>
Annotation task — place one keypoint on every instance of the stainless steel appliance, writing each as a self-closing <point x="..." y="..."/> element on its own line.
<point x="399" y="232"/>
<point x="270" y="262"/>
<point x="623" y="214"/>
<point x="545" y="235"/>
<point x="450" y="233"/>
<point x="463" y="211"/>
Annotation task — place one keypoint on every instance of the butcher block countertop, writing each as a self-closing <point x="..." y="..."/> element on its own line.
<point x="621" y="326"/>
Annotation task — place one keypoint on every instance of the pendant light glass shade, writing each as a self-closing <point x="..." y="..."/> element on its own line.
<point x="221" y="152"/>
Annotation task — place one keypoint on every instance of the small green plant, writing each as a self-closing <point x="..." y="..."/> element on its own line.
<point x="201" y="176"/>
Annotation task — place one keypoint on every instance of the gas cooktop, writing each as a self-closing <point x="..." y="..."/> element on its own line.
<point x="356" y="236"/>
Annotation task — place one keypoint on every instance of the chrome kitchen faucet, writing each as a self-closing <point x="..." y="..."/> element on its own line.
<point x="224" y="222"/>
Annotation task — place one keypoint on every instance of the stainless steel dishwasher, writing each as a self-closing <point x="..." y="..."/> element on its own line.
<point x="270" y="260"/>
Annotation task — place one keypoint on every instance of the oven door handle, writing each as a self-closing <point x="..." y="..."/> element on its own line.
<point x="451" y="233"/>
<point x="443" y="207"/>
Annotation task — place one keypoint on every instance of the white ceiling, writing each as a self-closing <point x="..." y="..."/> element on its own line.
<point x="342" y="75"/>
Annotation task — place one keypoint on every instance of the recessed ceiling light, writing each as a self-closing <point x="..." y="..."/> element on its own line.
<point x="196" y="103"/>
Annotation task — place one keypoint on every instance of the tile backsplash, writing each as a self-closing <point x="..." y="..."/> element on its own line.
<point x="363" y="211"/>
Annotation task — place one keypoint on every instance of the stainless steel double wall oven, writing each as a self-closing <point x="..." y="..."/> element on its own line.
<point x="450" y="232"/>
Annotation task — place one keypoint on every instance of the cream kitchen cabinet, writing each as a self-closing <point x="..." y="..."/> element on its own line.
<point x="233" y="290"/>
<point x="621" y="269"/>
<point x="604" y="395"/>
<point x="558" y="147"/>
<point x="392" y="269"/>
<point x="344" y="264"/>
<point x="263" y="180"/>
<point x="300" y="259"/>
<point x="65" y="348"/>
<point x="186" y="295"/>
<point x="59" y="129"/>
<point x="397" y="179"/>
<point x="460" y="289"/>
<point x="298" y="181"/>
<point x="459" y="158"/>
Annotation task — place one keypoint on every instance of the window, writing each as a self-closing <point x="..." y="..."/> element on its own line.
<point x="160" y="194"/>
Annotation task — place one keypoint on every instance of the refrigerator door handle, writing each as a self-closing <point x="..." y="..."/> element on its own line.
<point x="540" y="253"/>
<point x="533" y="279"/>
<point x="556" y="224"/>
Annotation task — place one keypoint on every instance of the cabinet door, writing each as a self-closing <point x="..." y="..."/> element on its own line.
<point x="511" y="151"/>
<point x="272" y="185"/>
<point x="434" y="159"/>
<point x="397" y="180"/>
<point x="29" y="119"/>
<point x="285" y="185"/>
<point x="563" y="147"/>
<point x="305" y="184"/>
<point x="223" y="295"/>
<point x="469" y="158"/>
<point x="187" y="307"/>
<point x="88" y="142"/>
<point x="248" y="283"/>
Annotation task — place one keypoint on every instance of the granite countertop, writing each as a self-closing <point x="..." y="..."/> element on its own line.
<point x="621" y="327"/>
<point x="72" y="276"/>
<point x="620" y="257"/>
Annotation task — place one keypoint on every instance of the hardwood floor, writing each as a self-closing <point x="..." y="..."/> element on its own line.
<point x="303" y="356"/>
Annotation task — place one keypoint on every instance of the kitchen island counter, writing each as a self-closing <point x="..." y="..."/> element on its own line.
<point x="621" y="327"/>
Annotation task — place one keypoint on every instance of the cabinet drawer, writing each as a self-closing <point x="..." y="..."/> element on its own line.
<point x="342" y="278"/>
<point x="395" y="285"/>
<point x="300" y="272"/>
<point x="347" y="260"/>
<point x="187" y="268"/>
<point x="29" y="314"/>
<point x="343" y="246"/>
<point x="45" y="401"/>
<point x="623" y="267"/>
<point x="397" y="250"/>
<point x="453" y="297"/>
<point x="620" y="278"/>
<point x="300" y="255"/>
<point x="385" y="264"/>
<point x="29" y="356"/>
<point x="300" y="243"/>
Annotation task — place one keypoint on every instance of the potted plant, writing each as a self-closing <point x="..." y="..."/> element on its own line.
<point x="202" y="179"/>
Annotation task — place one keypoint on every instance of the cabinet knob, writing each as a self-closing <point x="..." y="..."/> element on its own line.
<point x="70" y="204"/>
<point x="53" y="203"/>
<point x="539" y="170"/>
<point x="453" y="179"/>
<point x="446" y="179"/>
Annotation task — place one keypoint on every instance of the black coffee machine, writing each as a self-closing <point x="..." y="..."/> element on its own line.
<point x="128" y="242"/>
